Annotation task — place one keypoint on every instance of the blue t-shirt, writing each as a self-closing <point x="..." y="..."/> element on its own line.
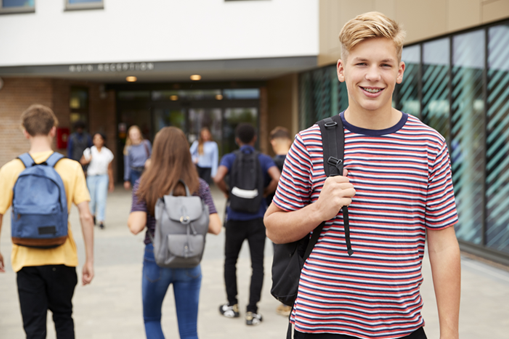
<point x="266" y="162"/>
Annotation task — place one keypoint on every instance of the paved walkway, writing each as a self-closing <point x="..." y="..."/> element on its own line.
<point x="111" y="306"/>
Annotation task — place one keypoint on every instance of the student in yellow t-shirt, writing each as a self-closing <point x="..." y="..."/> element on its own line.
<point x="46" y="278"/>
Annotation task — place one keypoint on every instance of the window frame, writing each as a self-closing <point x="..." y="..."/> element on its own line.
<point x="83" y="6"/>
<point x="16" y="10"/>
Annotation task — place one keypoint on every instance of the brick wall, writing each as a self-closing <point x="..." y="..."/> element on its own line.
<point x="18" y="94"/>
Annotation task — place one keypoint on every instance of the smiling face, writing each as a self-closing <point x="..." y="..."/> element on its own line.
<point x="371" y="71"/>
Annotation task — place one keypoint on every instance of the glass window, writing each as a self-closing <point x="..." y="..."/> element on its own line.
<point x="206" y="117"/>
<point x="83" y="4"/>
<point x="17" y="6"/>
<point x="408" y="91"/>
<point x="251" y="93"/>
<point x="233" y="117"/>
<point x="175" y="95"/>
<point x="78" y="103"/>
<point x="164" y="117"/>
<point x="497" y="152"/>
<point x="435" y="85"/>
<point x="468" y="133"/>
<point x="321" y="95"/>
<point x="133" y="95"/>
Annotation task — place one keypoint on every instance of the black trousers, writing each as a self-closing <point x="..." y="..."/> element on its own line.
<point x="417" y="334"/>
<point x="43" y="288"/>
<point x="205" y="173"/>
<point x="236" y="232"/>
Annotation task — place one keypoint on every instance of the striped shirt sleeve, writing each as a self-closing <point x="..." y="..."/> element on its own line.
<point x="440" y="202"/>
<point x="294" y="188"/>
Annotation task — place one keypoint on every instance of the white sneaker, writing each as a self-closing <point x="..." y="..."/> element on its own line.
<point x="229" y="311"/>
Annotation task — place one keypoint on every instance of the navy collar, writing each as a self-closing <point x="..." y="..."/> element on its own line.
<point x="247" y="149"/>
<point x="375" y="132"/>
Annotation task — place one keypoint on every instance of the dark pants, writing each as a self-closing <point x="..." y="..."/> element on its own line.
<point x="47" y="287"/>
<point x="135" y="175"/>
<point x="205" y="173"/>
<point x="236" y="232"/>
<point x="418" y="334"/>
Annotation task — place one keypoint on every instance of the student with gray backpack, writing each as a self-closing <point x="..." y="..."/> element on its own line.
<point x="41" y="186"/>
<point x="252" y="176"/>
<point x="176" y="208"/>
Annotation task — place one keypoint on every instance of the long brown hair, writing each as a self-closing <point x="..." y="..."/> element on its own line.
<point x="201" y="141"/>
<point x="170" y="162"/>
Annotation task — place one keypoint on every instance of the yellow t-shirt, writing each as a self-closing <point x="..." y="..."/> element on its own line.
<point x="76" y="191"/>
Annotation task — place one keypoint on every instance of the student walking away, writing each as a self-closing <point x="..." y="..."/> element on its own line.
<point x="280" y="141"/>
<point x="205" y="155"/>
<point x="41" y="186"/>
<point x="99" y="176"/>
<point x="137" y="153"/>
<point x="253" y="176"/>
<point x="398" y="189"/>
<point x="171" y="165"/>
<point x="78" y="142"/>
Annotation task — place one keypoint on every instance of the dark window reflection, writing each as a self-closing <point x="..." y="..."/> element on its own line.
<point x="435" y="85"/>
<point x="497" y="180"/>
<point x="468" y="133"/>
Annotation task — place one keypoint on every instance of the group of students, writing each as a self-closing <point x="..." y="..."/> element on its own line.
<point x="96" y="160"/>
<point x="396" y="183"/>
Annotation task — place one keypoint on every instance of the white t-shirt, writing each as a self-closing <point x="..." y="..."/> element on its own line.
<point x="100" y="160"/>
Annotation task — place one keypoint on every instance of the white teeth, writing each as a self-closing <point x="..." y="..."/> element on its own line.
<point x="372" y="90"/>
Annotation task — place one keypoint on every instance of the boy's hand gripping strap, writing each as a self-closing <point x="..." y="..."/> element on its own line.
<point x="333" y="141"/>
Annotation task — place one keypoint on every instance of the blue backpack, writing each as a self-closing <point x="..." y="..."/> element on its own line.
<point x="39" y="205"/>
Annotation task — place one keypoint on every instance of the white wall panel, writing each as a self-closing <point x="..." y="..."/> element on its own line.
<point x="159" y="30"/>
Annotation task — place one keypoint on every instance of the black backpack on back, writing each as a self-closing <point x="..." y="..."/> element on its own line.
<point x="246" y="182"/>
<point x="290" y="258"/>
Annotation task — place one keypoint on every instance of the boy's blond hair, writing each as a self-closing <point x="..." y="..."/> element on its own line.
<point x="38" y="120"/>
<point x="368" y="26"/>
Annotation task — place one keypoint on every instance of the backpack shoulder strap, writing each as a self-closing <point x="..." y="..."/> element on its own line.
<point x="53" y="159"/>
<point x="27" y="160"/>
<point x="333" y="142"/>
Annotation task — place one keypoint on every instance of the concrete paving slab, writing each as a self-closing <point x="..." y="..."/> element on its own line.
<point x="110" y="307"/>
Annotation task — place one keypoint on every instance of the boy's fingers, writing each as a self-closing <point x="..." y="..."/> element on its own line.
<point x="345" y="172"/>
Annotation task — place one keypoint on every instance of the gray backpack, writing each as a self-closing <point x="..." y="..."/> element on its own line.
<point x="182" y="223"/>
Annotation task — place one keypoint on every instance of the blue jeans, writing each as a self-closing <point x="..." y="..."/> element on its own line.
<point x="186" y="289"/>
<point x="98" y="188"/>
<point x="134" y="175"/>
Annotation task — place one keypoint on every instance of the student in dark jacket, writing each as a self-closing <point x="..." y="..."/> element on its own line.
<point x="78" y="142"/>
<point x="242" y="226"/>
<point x="281" y="142"/>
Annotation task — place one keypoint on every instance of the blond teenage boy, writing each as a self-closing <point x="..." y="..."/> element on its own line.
<point x="398" y="187"/>
<point x="46" y="278"/>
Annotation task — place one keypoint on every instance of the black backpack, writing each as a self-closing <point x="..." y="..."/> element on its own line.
<point x="290" y="258"/>
<point x="246" y="182"/>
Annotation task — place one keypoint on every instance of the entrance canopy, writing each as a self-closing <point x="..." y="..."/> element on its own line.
<point x="148" y="71"/>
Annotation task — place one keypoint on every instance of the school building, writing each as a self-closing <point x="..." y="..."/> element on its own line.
<point x="215" y="63"/>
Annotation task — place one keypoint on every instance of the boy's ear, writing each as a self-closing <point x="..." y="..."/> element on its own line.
<point x="340" y="68"/>
<point x="401" y="71"/>
<point x="26" y="134"/>
<point x="53" y="131"/>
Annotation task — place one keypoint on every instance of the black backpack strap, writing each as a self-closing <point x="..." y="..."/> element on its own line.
<point x="333" y="141"/>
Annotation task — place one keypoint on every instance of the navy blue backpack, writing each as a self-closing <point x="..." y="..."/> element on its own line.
<point x="39" y="205"/>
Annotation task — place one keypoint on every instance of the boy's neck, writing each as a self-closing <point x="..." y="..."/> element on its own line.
<point x="40" y="143"/>
<point x="280" y="149"/>
<point x="374" y="120"/>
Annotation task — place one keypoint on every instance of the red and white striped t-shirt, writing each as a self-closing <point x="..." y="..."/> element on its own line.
<point x="402" y="177"/>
